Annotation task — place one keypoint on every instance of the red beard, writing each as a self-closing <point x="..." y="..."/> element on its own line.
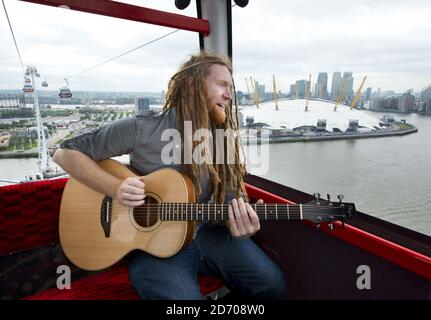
<point x="217" y="115"/>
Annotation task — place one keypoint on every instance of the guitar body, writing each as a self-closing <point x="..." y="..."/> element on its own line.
<point x="96" y="231"/>
<point x="84" y="240"/>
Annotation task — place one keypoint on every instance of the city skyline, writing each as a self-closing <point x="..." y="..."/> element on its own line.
<point x="389" y="44"/>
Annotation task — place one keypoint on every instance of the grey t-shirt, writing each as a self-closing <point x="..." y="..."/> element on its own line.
<point x="141" y="138"/>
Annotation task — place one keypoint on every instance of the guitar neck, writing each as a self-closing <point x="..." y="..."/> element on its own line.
<point x="219" y="211"/>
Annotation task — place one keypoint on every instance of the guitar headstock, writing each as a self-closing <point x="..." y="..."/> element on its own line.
<point x="332" y="210"/>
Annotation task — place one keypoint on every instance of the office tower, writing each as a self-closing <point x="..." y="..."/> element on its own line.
<point x="322" y="85"/>
<point x="348" y="93"/>
<point x="336" y="84"/>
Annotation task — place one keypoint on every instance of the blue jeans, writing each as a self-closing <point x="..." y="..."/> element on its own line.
<point x="240" y="262"/>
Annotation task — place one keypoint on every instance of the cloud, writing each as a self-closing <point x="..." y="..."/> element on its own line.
<point x="389" y="41"/>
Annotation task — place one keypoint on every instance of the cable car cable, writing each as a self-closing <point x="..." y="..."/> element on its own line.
<point x="13" y="36"/>
<point x="141" y="46"/>
<point x="116" y="57"/>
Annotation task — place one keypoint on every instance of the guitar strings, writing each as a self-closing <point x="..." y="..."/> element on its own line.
<point x="175" y="211"/>
<point x="224" y="211"/>
<point x="284" y="212"/>
<point x="219" y="205"/>
<point x="204" y="216"/>
<point x="318" y="218"/>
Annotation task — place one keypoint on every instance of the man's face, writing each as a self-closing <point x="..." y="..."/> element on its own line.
<point x="219" y="91"/>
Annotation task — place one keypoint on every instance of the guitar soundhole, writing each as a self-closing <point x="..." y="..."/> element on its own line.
<point x="146" y="215"/>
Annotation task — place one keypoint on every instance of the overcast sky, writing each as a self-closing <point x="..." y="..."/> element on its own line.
<point x="387" y="40"/>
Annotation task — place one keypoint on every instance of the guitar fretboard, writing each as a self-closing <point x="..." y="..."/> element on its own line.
<point x="219" y="211"/>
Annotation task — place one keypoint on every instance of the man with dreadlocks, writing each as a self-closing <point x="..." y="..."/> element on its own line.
<point x="200" y="94"/>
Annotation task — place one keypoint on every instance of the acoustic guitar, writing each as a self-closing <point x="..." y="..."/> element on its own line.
<point x="96" y="231"/>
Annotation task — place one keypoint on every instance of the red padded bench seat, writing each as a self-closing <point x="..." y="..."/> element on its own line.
<point x="29" y="215"/>
<point x="112" y="284"/>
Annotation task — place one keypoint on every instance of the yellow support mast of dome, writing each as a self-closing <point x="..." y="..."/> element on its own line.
<point x="341" y="94"/>
<point x="256" y="97"/>
<point x="321" y="91"/>
<point x="307" y="96"/>
<point x="357" y="94"/>
<point x="275" y="92"/>
<point x="256" y="94"/>
<point x="248" y="88"/>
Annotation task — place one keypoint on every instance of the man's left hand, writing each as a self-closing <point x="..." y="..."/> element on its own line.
<point x="243" y="220"/>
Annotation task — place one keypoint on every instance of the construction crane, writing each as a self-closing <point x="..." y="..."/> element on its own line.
<point x="275" y="92"/>
<point x="357" y="94"/>
<point x="341" y="94"/>
<point x="307" y="97"/>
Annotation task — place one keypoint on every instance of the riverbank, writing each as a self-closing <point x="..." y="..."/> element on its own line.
<point x="31" y="153"/>
<point x="332" y="136"/>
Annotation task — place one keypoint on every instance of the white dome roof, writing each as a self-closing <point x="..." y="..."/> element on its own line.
<point x="292" y="114"/>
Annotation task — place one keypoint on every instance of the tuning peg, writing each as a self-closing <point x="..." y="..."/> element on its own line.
<point x="328" y="196"/>
<point x="340" y="197"/>
<point x="331" y="224"/>
<point x="317" y="196"/>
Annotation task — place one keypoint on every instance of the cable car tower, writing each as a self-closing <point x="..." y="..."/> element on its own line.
<point x="44" y="162"/>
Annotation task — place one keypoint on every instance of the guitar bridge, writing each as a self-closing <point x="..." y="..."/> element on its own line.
<point x="105" y="215"/>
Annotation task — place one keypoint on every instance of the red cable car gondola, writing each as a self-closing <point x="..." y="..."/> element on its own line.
<point x="28" y="87"/>
<point x="65" y="92"/>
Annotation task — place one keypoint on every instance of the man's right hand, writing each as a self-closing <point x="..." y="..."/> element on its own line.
<point x="131" y="192"/>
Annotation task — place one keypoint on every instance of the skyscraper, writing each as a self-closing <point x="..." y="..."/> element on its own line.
<point x="260" y="89"/>
<point x="348" y="93"/>
<point x="302" y="88"/>
<point x="407" y="101"/>
<point x="292" y="90"/>
<point x="322" y="85"/>
<point x="336" y="84"/>
<point x="426" y="98"/>
<point x="368" y="93"/>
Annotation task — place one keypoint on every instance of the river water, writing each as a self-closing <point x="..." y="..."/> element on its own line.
<point x="389" y="177"/>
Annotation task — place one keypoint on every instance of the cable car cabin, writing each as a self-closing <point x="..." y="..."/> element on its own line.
<point x="28" y="88"/>
<point x="44" y="84"/>
<point x="65" y="93"/>
<point x="318" y="263"/>
<point x="363" y="258"/>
